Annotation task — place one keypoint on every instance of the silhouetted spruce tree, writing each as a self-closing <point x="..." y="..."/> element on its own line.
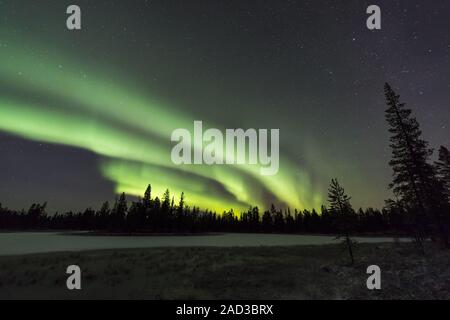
<point x="345" y="217"/>
<point x="103" y="215"/>
<point x="267" y="223"/>
<point x="277" y="218"/>
<point x="119" y="212"/>
<point x="157" y="204"/>
<point x="147" y="199"/>
<point x="166" y="200"/>
<point x="414" y="181"/>
<point x="165" y="210"/>
<point x="255" y="220"/>
<point x="179" y="214"/>
<point x="87" y="219"/>
<point x="290" y="223"/>
<point x="306" y="221"/>
<point x="298" y="217"/>
<point x="146" y="209"/>
<point x="180" y="207"/>
<point x="134" y="217"/>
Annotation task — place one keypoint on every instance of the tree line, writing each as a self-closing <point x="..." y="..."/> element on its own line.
<point x="420" y="206"/>
<point x="164" y="216"/>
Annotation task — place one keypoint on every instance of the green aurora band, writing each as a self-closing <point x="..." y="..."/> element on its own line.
<point x="57" y="103"/>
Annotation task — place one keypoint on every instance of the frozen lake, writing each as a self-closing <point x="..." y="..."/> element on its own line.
<point x="16" y="243"/>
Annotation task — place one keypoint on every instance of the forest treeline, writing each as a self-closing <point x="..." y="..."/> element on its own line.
<point x="419" y="207"/>
<point x="163" y="215"/>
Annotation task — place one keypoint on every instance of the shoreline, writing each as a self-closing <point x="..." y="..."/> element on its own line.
<point x="21" y="243"/>
<point x="207" y="233"/>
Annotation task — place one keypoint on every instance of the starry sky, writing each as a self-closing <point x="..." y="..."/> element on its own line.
<point x="87" y="114"/>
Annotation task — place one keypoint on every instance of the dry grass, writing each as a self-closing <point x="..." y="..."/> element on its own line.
<point x="303" y="272"/>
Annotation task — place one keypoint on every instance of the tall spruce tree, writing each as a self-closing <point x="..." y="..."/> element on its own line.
<point x="414" y="181"/>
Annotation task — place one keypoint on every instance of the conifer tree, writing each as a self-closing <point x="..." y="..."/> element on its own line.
<point x="146" y="201"/>
<point x="414" y="181"/>
<point x="345" y="217"/>
<point x="166" y="200"/>
<point x="119" y="212"/>
<point x="181" y="204"/>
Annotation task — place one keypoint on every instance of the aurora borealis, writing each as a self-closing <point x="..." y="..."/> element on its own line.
<point x="133" y="158"/>
<point x="114" y="91"/>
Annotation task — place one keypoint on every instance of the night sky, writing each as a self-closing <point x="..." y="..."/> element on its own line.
<point x="87" y="114"/>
